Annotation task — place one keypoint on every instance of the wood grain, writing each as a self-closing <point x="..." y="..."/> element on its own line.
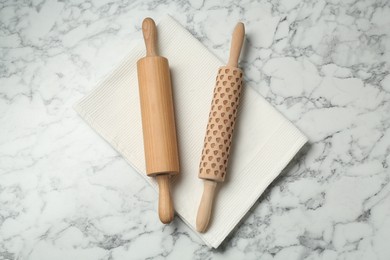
<point x="158" y="119"/>
<point x="220" y="127"/>
<point x="236" y="45"/>
<point x="206" y="204"/>
<point x="165" y="204"/>
<point x="149" y="31"/>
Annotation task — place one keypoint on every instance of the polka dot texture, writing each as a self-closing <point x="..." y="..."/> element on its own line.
<point x="222" y="117"/>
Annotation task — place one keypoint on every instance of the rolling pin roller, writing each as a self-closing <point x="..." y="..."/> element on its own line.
<point x="219" y="132"/>
<point x="158" y="119"/>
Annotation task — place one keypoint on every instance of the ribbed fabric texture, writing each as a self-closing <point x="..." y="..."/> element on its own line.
<point x="264" y="141"/>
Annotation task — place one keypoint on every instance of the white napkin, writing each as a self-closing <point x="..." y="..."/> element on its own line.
<point x="264" y="141"/>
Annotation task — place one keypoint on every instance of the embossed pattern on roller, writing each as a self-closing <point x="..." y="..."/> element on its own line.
<point x="220" y="127"/>
<point x="219" y="133"/>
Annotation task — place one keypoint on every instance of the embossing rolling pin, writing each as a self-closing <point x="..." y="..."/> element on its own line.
<point x="219" y="133"/>
<point x="158" y="119"/>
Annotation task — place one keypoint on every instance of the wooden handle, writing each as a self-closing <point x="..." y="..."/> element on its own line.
<point x="237" y="40"/>
<point x="150" y="36"/>
<point x="206" y="204"/>
<point x="165" y="204"/>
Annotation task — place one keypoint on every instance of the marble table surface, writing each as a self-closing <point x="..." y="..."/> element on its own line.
<point x="66" y="194"/>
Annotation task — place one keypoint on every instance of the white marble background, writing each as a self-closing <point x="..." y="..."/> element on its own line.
<point x="66" y="194"/>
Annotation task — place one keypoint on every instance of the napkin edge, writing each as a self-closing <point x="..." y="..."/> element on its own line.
<point x="299" y="141"/>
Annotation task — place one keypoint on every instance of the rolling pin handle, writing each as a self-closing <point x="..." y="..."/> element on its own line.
<point x="150" y="36"/>
<point x="165" y="204"/>
<point x="237" y="40"/>
<point x="206" y="204"/>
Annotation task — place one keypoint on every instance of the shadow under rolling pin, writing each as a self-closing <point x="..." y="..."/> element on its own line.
<point x="219" y="133"/>
<point x="158" y="119"/>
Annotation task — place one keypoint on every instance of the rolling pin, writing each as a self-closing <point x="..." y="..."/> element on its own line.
<point x="219" y="132"/>
<point x="158" y="119"/>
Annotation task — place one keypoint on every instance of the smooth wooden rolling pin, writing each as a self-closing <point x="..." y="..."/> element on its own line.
<point x="158" y="119"/>
<point x="219" y="133"/>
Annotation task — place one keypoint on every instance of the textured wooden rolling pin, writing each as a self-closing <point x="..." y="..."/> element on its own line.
<point x="220" y="128"/>
<point x="158" y="119"/>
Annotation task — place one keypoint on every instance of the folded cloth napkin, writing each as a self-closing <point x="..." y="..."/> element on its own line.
<point x="263" y="144"/>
